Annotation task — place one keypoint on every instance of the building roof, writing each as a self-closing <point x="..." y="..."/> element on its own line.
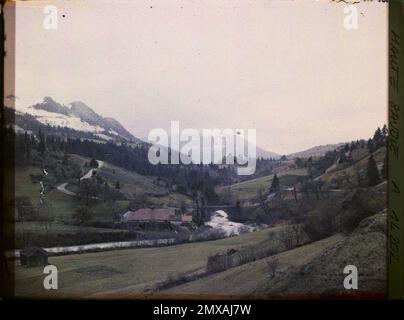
<point x="186" y="218"/>
<point x="163" y="214"/>
<point x="150" y="214"/>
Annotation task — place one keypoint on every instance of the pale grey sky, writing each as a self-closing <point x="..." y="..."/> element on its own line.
<point x="289" y="69"/>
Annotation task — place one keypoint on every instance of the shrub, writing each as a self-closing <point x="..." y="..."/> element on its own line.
<point x="321" y="222"/>
<point x="82" y="215"/>
<point x="362" y="204"/>
<point x="93" y="163"/>
<point x="350" y="219"/>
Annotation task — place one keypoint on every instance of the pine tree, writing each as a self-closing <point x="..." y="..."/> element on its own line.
<point x="93" y="163"/>
<point x="378" y="139"/>
<point x="384" y="131"/>
<point x="378" y="134"/>
<point x="372" y="172"/>
<point x="370" y="146"/>
<point x="274" y="185"/>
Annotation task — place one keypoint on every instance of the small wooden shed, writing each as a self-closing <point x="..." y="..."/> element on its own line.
<point x="33" y="257"/>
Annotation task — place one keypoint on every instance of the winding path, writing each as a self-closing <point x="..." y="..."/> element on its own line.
<point x="62" y="187"/>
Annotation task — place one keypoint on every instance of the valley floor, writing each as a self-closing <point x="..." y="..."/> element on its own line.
<point x="132" y="269"/>
<point x="311" y="269"/>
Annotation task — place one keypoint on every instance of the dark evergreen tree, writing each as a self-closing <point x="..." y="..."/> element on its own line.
<point x="93" y="163"/>
<point x="372" y="173"/>
<point x="275" y="186"/>
<point x="299" y="163"/>
<point x="384" y="131"/>
<point x="370" y="146"/>
<point x="378" y="139"/>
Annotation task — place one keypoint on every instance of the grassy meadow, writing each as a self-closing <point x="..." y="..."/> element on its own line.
<point x="129" y="270"/>
<point x="248" y="190"/>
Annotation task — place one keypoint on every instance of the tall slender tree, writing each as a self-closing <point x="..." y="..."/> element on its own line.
<point x="275" y="186"/>
<point x="372" y="172"/>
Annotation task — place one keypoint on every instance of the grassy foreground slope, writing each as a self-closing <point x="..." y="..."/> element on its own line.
<point x="254" y="279"/>
<point x="129" y="271"/>
<point x="313" y="269"/>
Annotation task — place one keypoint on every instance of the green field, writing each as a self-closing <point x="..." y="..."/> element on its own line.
<point x="248" y="190"/>
<point x="58" y="209"/>
<point x="314" y="268"/>
<point x="346" y="176"/>
<point x="129" y="271"/>
<point x="61" y="206"/>
<point x="133" y="184"/>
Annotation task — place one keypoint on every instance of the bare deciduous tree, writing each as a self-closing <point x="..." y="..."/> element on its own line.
<point x="272" y="264"/>
<point x="262" y="198"/>
<point x="297" y="232"/>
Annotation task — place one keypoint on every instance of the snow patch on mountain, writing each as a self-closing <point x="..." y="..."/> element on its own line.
<point x="77" y="116"/>
<point x="103" y="136"/>
<point x="60" y="120"/>
<point x="113" y="132"/>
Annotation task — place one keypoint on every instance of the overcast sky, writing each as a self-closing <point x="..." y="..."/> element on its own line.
<point x="288" y="69"/>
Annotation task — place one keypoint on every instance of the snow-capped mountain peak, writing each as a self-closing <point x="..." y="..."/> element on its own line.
<point x="77" y="116"/>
